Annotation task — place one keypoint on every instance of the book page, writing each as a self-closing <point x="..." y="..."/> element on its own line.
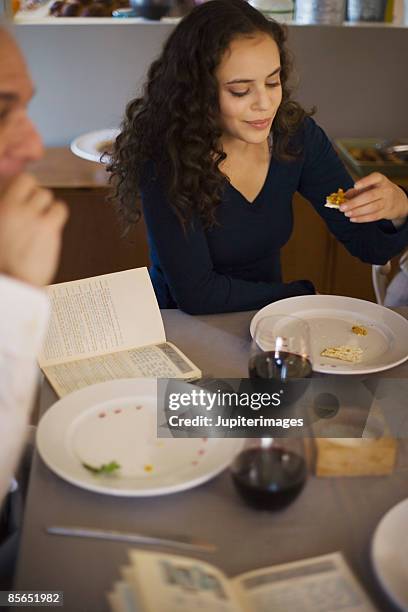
<point x="100" y="315"/>
<point x="321" y="584"/>
<point x="164" y="582"/>
<point x="157" y="361"/>
<point x="122" y="599"/>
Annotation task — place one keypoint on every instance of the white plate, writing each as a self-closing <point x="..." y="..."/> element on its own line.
<point x="86" y="146"/>
<point x="331" y="317"/>
<point x="116" y="421"/>
<point x="389" y="553"/>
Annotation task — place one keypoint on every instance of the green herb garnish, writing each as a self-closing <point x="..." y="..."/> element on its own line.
<point x="105" y="468"/>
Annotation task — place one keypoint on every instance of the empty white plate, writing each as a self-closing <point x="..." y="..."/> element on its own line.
<point x="389" y="553"/>
<point x="116" y="421"/>
<point x="331" y="317"/>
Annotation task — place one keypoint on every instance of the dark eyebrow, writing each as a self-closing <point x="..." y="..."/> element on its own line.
<point x="276" y="71"/>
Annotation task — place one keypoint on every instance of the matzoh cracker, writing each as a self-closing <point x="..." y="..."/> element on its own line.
<point x="353" y="354"/>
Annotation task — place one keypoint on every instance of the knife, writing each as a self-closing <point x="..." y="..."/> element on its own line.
<point x="182" y="542"/>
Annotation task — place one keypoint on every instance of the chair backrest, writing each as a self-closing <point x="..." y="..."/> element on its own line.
<point x="381" y="277"/>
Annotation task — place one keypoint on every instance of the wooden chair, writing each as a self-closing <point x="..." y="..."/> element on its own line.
<point x="381" y="277"/>
<point x="395" y="272"/>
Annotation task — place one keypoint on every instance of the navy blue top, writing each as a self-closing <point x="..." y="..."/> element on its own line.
<point x="236" y="265"/>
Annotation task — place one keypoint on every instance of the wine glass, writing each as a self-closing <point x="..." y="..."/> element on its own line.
<point x="270" y="472"/>
<point x="280" y="358"/>
<point x="280" y="349"/>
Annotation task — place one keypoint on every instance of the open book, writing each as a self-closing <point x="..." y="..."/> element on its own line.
<point x="108" y="327"/>
<point x="159" y="582"/>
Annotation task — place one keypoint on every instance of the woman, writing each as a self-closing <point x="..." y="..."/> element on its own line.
<point x="217" y="148"/>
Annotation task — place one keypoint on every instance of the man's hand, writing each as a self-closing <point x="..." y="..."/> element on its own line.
<point x="31" y="223"/>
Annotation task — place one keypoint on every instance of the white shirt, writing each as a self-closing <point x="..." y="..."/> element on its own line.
<point x="24" y="313"/>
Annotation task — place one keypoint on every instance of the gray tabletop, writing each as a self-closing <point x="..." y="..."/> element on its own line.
<point x="330" y="514"/>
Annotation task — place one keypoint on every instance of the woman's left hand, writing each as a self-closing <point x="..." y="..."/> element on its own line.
<point x="375" y="197"/>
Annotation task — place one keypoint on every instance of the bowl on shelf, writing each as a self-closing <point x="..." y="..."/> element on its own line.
<point x="151" y="9"/>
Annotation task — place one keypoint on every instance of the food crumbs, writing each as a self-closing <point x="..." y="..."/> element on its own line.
<point x="102" y="415"/>
<point x="148" y="468"/>
<point x="359" y="330"/>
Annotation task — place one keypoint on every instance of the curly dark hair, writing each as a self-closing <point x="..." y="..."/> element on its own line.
<point x="175" y="122"/>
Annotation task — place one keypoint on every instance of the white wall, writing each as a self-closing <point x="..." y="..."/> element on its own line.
<point x="85" y="74"/>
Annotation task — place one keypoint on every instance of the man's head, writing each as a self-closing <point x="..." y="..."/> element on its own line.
<point x="20" y="142"/>
<point x="31" y="220"/>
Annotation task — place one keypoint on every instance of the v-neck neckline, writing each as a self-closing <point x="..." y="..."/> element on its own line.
<point x="252" y="203"/>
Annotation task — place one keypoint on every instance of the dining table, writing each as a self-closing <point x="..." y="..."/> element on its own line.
<point x="330" y="514"/>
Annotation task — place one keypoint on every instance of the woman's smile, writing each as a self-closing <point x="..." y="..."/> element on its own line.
<point x="260" y="124"/>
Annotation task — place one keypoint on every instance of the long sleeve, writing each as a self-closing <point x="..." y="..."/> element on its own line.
<point x="323" y="173"/>
<point x="24" y="315"/>
<point x="186" y="263"/>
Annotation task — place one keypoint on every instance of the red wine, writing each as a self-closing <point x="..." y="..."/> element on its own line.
<point x="279" y="365"/>
<point x="269" y="478"/>
<point x="289" y="371"/>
